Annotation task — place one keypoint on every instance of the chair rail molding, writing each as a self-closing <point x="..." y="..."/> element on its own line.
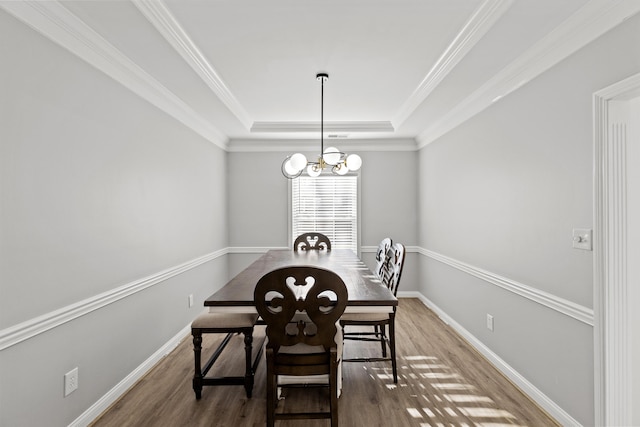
<point x="254" y="249"/>
<point x="22" y="331"/>
<point x="561" y="305"/>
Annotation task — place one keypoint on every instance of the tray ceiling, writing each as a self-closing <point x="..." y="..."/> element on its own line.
<point x="242" y="73"/>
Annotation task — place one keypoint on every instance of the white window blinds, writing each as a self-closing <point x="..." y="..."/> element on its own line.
<point x="328" y="205"/>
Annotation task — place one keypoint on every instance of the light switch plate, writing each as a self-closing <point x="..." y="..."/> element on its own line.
<point x="582" y="239"/>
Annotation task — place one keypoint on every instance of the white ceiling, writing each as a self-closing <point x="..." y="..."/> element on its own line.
<point x="400" y="71"/>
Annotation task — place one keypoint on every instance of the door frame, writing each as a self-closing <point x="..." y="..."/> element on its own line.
<point x="612" y="340"/>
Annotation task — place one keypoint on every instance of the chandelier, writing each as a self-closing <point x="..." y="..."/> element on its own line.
<point x="340" y="163"/>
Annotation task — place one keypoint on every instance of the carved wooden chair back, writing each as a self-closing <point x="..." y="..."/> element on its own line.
<point x="281" y="294"/>
<point x="381" y="255"/>
<point x="392" y="269"/>
<point x="312" y="241"/>
<point x="301" y="306"/>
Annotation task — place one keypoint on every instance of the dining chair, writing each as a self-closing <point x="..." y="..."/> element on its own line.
<point x="381" y="255"/>
<point x="301" y="307"/>
<point x="229" y="324"/>
<point x="390" y="276"/>
<point x="381" y="258"/>
<point x="312" y="241"/>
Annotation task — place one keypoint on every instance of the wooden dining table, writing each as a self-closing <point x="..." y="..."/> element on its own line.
<point x="366" y="293"/>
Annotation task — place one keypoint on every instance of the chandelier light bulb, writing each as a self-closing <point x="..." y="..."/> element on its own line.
<point x="340" y="169"/>
<point x="290" y="169"/>
<point x="298" y="161"/>
<point x="314" y="170"/>
<point x="353" y="162"/>
<point x="331" y="156"/>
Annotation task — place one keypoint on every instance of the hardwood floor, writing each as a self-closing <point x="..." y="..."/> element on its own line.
<point x="442" y="382"/>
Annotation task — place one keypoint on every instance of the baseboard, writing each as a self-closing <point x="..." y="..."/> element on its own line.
<point x="88" y="416"/>
<point x="534" y="393"/>
<point x="521" y="382"/>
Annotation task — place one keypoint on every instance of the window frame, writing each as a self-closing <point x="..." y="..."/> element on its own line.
<point x="291" y="237"/>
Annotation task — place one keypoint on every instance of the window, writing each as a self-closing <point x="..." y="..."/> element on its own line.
<point x="328" y="205"/>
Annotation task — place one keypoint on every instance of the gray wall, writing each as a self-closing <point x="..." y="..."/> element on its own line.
<point x="99" y="190"/>
<point x="502" y="192"/>
<point x="388" y="205"/>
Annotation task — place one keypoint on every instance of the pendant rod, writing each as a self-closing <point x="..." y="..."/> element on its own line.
<point x="322" y="77"/>
<point x="321" y="117"/>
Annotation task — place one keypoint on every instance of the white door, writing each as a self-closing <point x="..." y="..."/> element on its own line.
<point x="617" y="253"/>
<point x="633" y="242"/>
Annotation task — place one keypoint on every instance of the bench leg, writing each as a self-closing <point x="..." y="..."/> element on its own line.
<point x="248" y="372"/>
<point x="197" y="377"/>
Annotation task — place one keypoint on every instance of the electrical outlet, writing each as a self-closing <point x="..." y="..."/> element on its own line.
<point x="490" y="322"/>
<point x="70" y="381"/>
<point x="190" y="300"/>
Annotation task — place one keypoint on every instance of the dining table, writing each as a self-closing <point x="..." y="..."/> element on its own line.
<point x="366" y="293"/>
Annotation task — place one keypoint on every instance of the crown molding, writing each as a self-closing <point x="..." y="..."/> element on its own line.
<point x="306" y="145"/>
<point x="161" y="18"/>
<point x="292" y="127"/>
<point x="54" y="21"/>
<point x="476" y="27"/>
<point x="590" y="22"/>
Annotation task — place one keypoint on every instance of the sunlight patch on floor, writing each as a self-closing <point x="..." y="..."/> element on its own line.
<point x="429" y="412"/>
<point x="497" y="425"/>
<point x="450" y="411"/>
<point x="414" y="412"/>
<point x="453" y="386"/>
<point x="485" y="413"/>
<point x="385" y="377"/>
<point x="465" y="398"/>
<point x="439" y="375"/>
<point x="447" y="425"/>
<point x="420" y="358"/>
<point x="428" y="366"/>
<point x="448" y="399"/>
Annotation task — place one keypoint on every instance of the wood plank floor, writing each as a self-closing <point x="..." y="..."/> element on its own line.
<point x="442" y="382"/>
